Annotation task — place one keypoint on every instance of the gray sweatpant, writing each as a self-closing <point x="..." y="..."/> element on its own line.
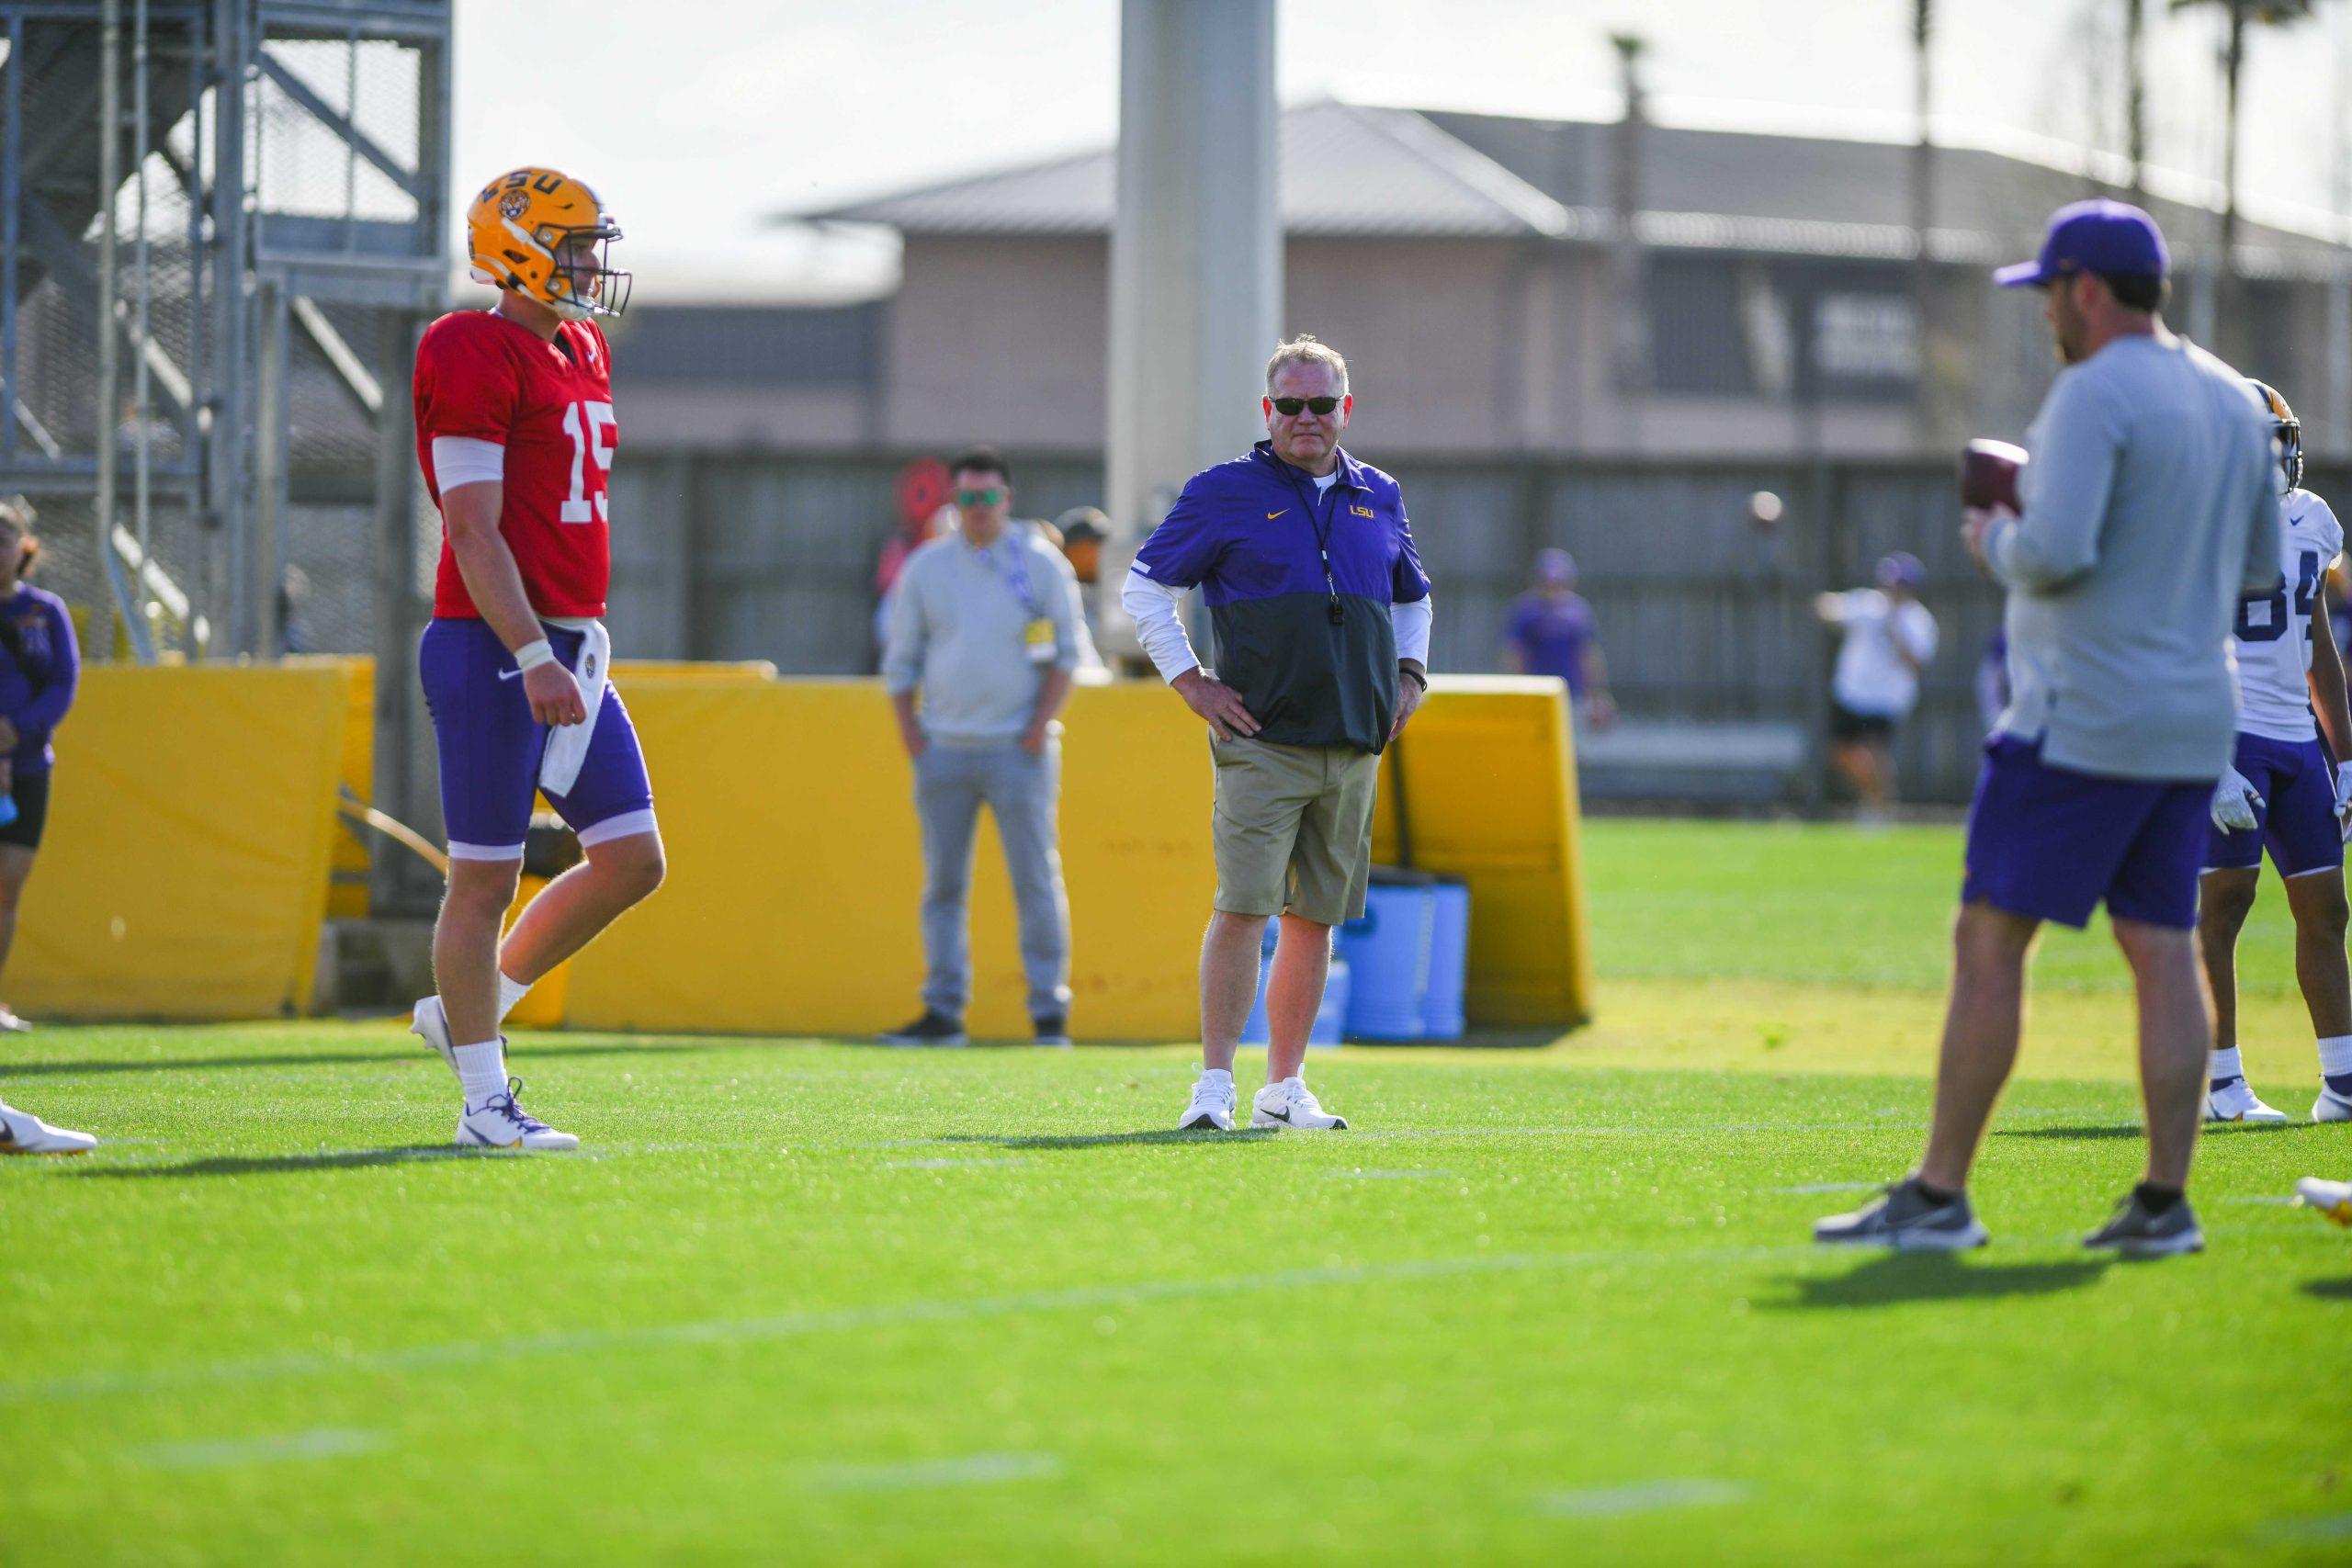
<point x="1021" y="791"/>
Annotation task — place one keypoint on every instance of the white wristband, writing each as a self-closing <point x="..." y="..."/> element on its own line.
<point x="531" y="655"/>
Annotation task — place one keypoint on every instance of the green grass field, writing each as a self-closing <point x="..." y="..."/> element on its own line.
<point x="804" y="1303"/>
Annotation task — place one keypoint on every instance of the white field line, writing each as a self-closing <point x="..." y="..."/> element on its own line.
<point x="228" y="1453"/>
<point x="947" y="1164"/>
<point x="926" y="1475"/>
<point x="1811" y="1188"/>
<point x="1608" y="1502"/>
<point x="794" y="1325"/>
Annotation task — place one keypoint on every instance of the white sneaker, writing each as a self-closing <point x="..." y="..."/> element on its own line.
<point x="1290" y="1103"/>
<point x="2331" y="1107"/>
<point x="1212" y="1105"/>
<point x="2333" y="1198"/>
<point x="22" y="1133"/>
<point x="499" y="1123"/>
<point x="2236" y="1101"/>
<point x="432" y="1025"/>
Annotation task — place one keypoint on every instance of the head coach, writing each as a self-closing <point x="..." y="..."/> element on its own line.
<point x="1322" y="617"/>
<point x="2148" y="507"/>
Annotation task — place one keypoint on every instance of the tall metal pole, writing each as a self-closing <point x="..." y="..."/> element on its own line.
<point x="143" y="453"/>
<point x="1923" y="214"/>
<point x="110" y="413"/>
<point x="2135" y="99"/>
<point x="1196" y="260"/>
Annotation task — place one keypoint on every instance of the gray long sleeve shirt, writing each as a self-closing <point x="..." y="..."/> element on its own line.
<point x="957" y="629"/>
<point x="2150" y="506"/>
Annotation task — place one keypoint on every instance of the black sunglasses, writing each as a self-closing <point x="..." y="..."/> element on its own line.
<point x="1289" y="408"/>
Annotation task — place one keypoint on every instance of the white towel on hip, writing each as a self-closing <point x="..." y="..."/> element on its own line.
<point x="568" y="743"/>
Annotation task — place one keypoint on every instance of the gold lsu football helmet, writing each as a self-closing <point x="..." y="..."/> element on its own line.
<point x="546" y="236"/>
<point x="2285" y="429"/>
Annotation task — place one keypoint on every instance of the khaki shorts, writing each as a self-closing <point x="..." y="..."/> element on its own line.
<point x="1294" y="829"/>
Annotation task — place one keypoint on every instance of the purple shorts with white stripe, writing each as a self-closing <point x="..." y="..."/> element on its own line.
<point x="2297" y="818"/>
<point x="490" y="748"/>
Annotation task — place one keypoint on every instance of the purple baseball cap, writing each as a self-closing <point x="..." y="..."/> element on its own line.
<point x="1555" y="566"/>
<point x="2093" y="236"/>
<point x="1903" y="568"/>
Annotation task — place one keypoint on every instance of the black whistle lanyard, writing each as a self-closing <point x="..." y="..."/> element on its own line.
<point x="1332" y="610"/>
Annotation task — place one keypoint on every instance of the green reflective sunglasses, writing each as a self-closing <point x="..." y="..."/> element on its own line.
<point x="993" y="496"/>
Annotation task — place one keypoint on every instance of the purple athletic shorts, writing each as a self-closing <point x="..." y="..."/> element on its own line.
<point x="2053" y="843"/>
<point x="2296" y="818"/>
<point x="490" y="748"/>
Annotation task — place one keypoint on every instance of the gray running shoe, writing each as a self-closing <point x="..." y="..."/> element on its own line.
<point x="1907" y="1220"/>
<point x="2135" y="1232"/>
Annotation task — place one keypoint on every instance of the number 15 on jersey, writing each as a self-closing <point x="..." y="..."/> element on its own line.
<point x="586" y="423"/>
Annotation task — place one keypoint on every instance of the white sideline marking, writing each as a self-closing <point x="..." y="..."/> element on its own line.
<point x="226" y="1453"/>
<point x="946" y="1163"/>
<point x="2288" y="1202"/>
<point x="2327" y="1526"/>
<point x="923" y="1475"/>
<point x="794" y="1325"/>
<point x="1813" y="1187"/>
<point x="1608" y="1502"/>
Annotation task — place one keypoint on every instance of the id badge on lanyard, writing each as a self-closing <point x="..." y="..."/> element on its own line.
<point x="1037" y="638"/>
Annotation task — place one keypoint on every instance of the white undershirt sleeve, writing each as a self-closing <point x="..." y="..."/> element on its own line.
<point x="1411" y="621"/>
<point x="464" y="460"/>
<point x="1159" y="624"/>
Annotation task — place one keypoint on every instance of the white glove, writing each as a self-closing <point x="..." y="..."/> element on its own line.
<point x="2234" y="802"/>
<point x="2344" y="800"/>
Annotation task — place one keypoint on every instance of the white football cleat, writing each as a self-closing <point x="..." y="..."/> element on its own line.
<point x="2333" y="1198"/>
<point x="432" y="1025"/>
<point x="2236" y="1101"/>
<point x="499" y="1123"/>
<point x="22" y="1133"/>
<point x="2331" y="1107"/>
<point x="1290" y="1103"/>
<point x="1212" y="1105"/>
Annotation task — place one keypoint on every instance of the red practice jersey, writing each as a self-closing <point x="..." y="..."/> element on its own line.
<point x="490" y="392"/>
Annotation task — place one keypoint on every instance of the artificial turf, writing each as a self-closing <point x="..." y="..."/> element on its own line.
<point x="814" y="1302"/>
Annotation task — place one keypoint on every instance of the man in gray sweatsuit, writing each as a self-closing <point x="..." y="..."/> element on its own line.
<point x="985" y="624"/>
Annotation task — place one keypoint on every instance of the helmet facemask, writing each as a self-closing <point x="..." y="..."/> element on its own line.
<point x="578" y="289"/>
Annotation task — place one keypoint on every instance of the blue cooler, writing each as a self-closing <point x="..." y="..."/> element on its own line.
<point x="1389" y="949"/>
<point x="1449" y="960"/>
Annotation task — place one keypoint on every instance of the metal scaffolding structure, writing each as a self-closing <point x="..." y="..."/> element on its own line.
<point x="261" y="235"/>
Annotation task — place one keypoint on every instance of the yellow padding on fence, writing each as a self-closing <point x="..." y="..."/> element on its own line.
<point x="184" y="874"/>
<point x="796" y="871"/>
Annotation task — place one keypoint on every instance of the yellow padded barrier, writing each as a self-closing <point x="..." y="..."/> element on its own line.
<point x="1489" y="773"/>
<point x="795" y="872"/>
<point x="184" y="874"/>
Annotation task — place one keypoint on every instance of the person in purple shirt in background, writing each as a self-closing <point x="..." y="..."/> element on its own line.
<point x="38" y="666"/>
<point x="1551" y="632"/>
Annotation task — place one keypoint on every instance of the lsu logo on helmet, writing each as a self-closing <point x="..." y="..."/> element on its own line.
<point x="2285" y="429"/>
<point x="546" y="235"/>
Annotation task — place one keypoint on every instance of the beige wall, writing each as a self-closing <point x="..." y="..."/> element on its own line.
<point x="1471" y="348"/>
<point x="1004" y="340"/>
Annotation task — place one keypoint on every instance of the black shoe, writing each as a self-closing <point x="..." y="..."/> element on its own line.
<point x="2135" y="1232"/>
<point x="932" y="1029"/>
<point x="1053" y="1029"/>
<point x="1907" y="1220"/>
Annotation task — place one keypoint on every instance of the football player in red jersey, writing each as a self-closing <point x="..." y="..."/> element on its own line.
<point x="515" y="431"/>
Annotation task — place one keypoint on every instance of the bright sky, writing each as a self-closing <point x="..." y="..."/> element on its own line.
<point x="727" y="110"/>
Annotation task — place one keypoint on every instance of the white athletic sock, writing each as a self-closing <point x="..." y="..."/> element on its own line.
<point x="2225" y="1066"/>
<point x="2336" y="1055"/>
<point x="1218" y="1075"/>
<point x="510" y="991"/>
<point x="483" y="1069"/>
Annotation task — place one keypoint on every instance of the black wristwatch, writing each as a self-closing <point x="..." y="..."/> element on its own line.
<point x="1415" y="676"/>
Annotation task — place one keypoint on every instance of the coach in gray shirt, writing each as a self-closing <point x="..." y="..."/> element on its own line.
<point x="2149" y="508"/>
<point x="985" y="624"/>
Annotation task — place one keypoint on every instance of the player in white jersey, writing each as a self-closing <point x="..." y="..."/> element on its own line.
<point x="2282" y="792"/>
